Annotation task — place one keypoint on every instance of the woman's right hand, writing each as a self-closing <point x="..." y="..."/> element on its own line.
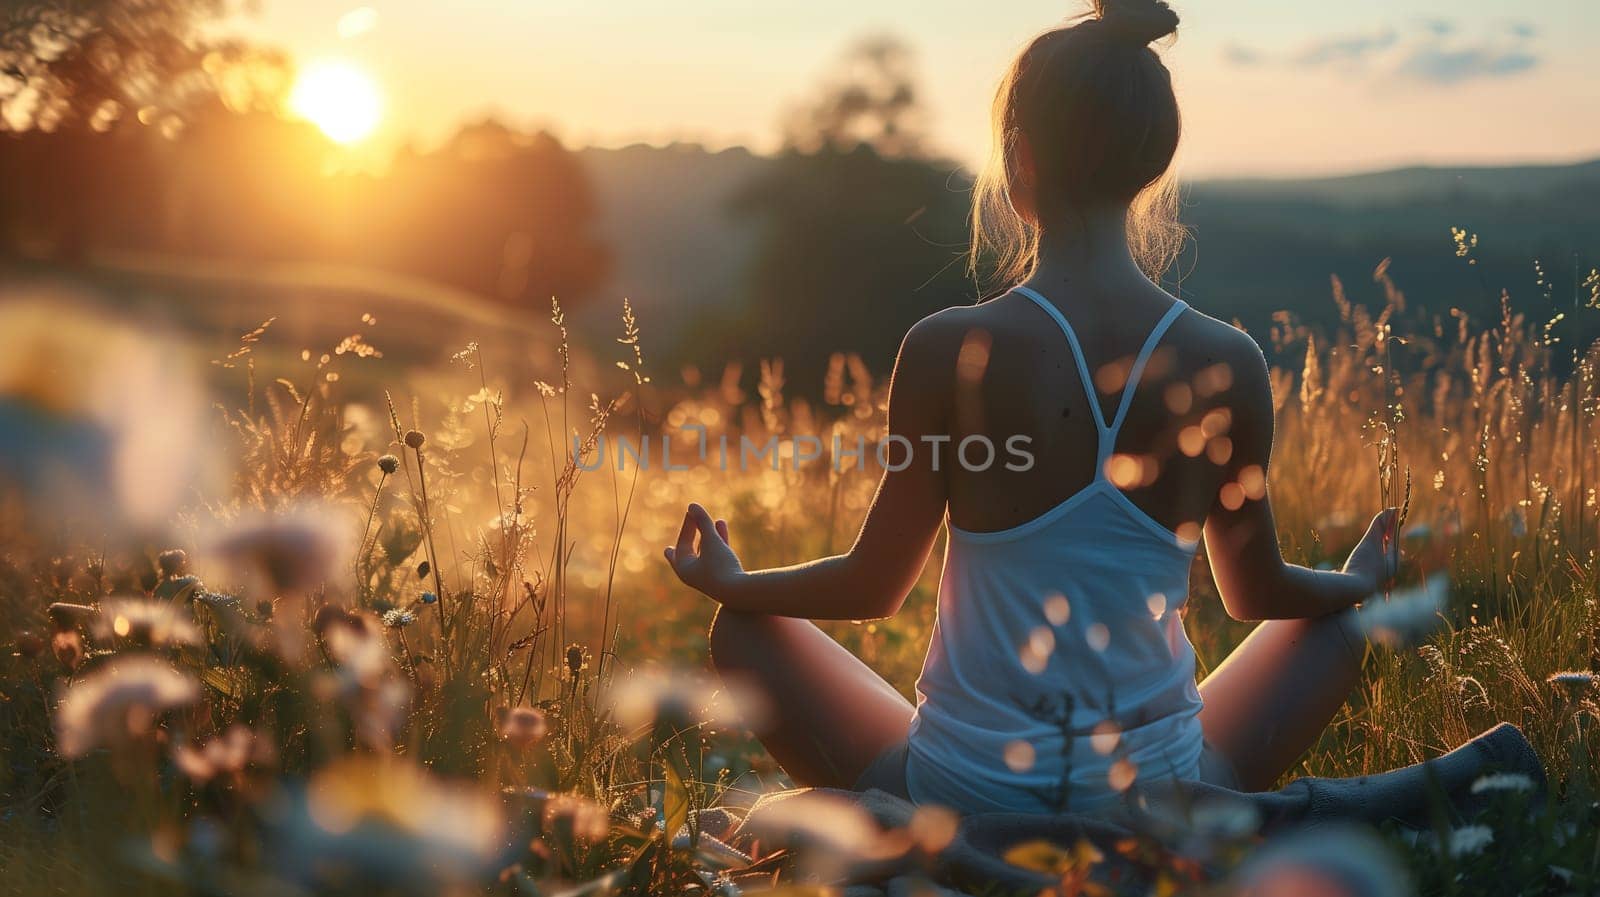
<point x="711" y="566"/>
<point x="1375" y="558"/>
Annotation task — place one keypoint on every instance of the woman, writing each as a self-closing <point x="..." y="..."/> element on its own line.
<point x="1059" y="673"/>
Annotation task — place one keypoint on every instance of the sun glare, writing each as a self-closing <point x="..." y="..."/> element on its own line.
<point x="339" y="98"/>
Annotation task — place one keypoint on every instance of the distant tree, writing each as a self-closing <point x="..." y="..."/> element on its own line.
<point x="861" y="234"/>
<point x="870" y="98"/>
<point x="66" y="63"/>
<point x="506" y="214"/>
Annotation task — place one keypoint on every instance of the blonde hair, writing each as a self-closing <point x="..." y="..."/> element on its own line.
<point x="1096" y="103"/>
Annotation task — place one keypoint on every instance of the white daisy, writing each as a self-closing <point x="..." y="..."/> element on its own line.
<point x="1502" y="781"/>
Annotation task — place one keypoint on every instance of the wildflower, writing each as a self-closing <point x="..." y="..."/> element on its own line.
<point x="352" y="642"/>
<point x="832" y="834"/>
<point x="429" y="598"/>
<point x="388" y="464"/>
<point x="152" y="624"/>
<point x="229" y="754"/>
<point x="1469" y="839"/>
<point x="123" y="698"/>
<point x="414" y="439"/>
<point x="102" y="420"/>
<point x="1406" y="615"/>
<point x="522" y="727"/>
<point x="585" y="819"/>
<point x="680" y="700"/>
<point x="67" y="646"/>
<point x="391" y="826"/>
<point x="398" y="618"/>
<point x="365" y="679"/>
<point x="295" y="551"/>
<point x="1503" y="781"/>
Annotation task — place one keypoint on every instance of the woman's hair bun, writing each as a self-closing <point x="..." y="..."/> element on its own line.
<point x="1139" y="22"/>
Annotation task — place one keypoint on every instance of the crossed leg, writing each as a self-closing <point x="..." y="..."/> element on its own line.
<point x="832" y="715"/>
<point x="1265" y="705"/>
<point x="1268" y="702"/>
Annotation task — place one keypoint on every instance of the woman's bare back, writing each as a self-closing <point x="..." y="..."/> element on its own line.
<point x="1013" y="373"/>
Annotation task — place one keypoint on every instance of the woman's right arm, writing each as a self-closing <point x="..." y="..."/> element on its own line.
<point x="1255" y="582"/>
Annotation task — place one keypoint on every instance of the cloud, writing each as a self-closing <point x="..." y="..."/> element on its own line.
<point x="1444" y="66"/>
<point x="1241" y="55"/>
<point x="1348" y="48"/>
<point x="1431" y="51"/>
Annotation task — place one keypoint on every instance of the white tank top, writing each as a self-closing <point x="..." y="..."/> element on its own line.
<point x="1059" y="671"/>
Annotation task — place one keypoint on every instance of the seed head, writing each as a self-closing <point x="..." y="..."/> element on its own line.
<point x="388" y="464"/>
<point x="577" y="659"/>
<point x="1574" y="682"/>
<point x="29" y="644"/>
<point x="415" y="439"/>
<point x="172" y="562"/>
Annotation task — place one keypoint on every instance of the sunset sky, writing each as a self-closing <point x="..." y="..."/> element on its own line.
<point x="1269" y="87"/>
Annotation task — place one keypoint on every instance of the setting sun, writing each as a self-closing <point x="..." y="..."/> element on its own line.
<point x="339" y="98"/>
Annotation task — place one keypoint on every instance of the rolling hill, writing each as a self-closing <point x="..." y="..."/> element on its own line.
<point x="1258" y="245"/>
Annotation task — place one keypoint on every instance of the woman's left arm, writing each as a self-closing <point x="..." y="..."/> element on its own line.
<point x="872" y="579"/>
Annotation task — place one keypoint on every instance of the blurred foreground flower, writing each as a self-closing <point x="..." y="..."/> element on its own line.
<point x="568" y="816"/>
<point x="121" y="700"/>
<point x="1462" y="841"/>
<point x="834" y="837"/>
<point x="1069" y="863"/>
<point x="365" y="679"/>
<point x="373" y="823"/>
<point x="150" y="624"/>
<point x="1407" y="615"/>
<point x="1327" y="862"/>
<point x="1513" y="782"/>
<point x="678" y="700"/>
<point x="230" y="754"/>
<point x="294" y="551"/>
<point x="99" y="421"/>
<point x="522" y="727"/>
<point x="1198" y="826"/>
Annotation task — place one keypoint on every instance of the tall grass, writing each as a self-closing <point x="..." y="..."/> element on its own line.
<point x="425" y="644"/>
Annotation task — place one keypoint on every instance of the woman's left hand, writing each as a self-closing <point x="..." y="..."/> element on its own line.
<point x="713" y="568"/>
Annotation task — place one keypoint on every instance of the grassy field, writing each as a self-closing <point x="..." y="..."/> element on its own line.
<point x="344" y="615"/>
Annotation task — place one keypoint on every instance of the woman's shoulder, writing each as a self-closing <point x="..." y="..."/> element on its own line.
<point x="1224" y="342"/>
<point x="1229" y="358"/>
<point x="944" y="331"/>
